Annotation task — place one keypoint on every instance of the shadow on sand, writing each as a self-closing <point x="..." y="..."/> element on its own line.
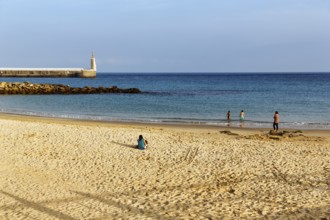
<point x="125" y="145"/>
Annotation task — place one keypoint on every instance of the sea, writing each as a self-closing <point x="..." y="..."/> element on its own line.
<point x="302" y="99"/>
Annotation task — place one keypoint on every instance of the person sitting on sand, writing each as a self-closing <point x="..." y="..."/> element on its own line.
<point x="142" y="144"/>
<point x="276" y="121"/>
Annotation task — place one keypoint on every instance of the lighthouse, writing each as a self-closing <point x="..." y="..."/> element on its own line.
<point x="91" y="73"/>
<point x="93" y="63"/>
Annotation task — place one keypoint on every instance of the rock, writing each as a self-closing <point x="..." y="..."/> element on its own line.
<point x="228" y="133"/>
<point x="135" y="90"/>
<point x="75" y="90"/>
<point x="276" y="133"/>
<point x="274" y="138"/>
<point x="231" y="190"/>
<point x="3" y="84"/>
<point x="101" y="89"/>
<point x="29" y="88"/>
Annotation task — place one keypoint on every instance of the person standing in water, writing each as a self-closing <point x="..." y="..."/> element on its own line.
<point x="228" y="116"/>
<point x="276" y="121"/>
<point x="241" y="115"/>
<point x="241" y="118"/>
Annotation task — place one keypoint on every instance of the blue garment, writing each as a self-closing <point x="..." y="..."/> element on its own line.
<point x="141" y="145"/>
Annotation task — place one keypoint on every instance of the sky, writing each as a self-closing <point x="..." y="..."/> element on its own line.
<point x="167" y="35"/>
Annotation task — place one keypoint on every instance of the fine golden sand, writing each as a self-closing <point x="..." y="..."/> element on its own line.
<point x="61" y="169"/>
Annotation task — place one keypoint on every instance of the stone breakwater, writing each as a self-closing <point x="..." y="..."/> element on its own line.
<point x="27" y="88"/>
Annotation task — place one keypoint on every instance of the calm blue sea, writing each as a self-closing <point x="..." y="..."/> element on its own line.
<point x="303" y="100"/>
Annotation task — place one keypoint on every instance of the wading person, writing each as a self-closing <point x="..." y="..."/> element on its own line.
<point x="241" y="118"/>
<point x="228" y="116"/>
<point x="276" y="121"/>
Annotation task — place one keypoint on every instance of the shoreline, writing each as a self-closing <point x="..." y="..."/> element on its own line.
<point x="85" y="122"/>
<point x="223" y="123"/>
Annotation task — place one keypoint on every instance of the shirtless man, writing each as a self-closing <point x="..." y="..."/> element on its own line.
<point x="276" y="121"/>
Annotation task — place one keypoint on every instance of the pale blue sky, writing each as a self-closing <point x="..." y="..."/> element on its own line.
<point x="167" y="35"/>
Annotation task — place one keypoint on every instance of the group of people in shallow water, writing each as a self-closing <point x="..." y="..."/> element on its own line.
<point x="242" y="115"/>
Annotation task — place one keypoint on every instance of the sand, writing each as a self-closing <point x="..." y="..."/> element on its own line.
<point x="66" y="169"/>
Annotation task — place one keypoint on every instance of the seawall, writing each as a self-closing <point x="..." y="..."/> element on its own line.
<point x="47" y="73"/>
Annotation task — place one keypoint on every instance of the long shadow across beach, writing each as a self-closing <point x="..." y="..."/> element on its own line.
<point x="38" y="207"/>
<point x="134" y="210"/>
<point x="125" y="145"/>
<point x="301" y="213"/>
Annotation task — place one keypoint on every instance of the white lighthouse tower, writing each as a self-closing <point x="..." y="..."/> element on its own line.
<point x="89" y="73"/>
<point x="93" y="63"/>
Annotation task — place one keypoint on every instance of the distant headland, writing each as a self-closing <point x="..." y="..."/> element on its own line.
<point x="51" y="72"/>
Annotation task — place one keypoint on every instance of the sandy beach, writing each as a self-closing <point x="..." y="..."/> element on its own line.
<point x="67" y="169"/>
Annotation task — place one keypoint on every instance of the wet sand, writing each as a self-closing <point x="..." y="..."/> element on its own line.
<point x="70" y="169"/>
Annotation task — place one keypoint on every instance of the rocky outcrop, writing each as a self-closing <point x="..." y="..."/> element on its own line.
<point x="28" y="88"/>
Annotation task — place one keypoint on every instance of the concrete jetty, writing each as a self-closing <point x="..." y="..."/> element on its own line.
<point x="51" y="72"/>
